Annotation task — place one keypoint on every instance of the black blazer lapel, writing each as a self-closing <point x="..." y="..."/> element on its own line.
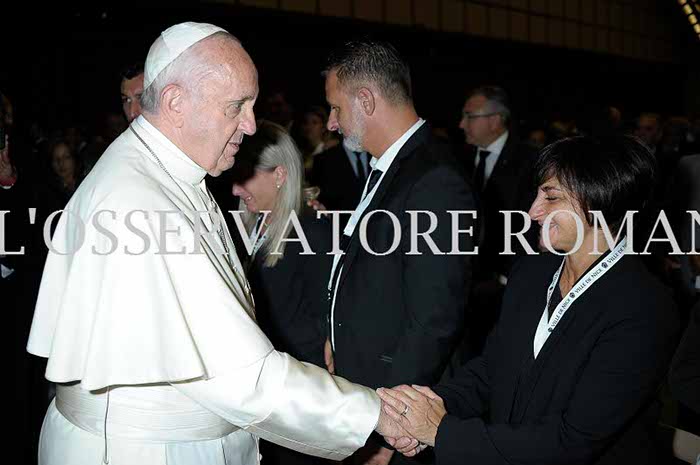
<point x="503" y="161"/>
<point x="420" y="137"/>
<point x="530" y="379"/>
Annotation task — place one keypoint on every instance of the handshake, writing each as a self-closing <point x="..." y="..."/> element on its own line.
<point x="409" y="417"/>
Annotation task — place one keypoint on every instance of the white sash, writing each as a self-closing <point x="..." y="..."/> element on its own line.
<point x="546" y="326"/>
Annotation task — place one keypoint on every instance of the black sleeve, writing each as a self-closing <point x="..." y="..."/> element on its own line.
<point x="622" y="375"/>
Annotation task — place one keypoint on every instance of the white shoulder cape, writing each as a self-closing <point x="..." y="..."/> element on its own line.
<point x="132" y="316"/>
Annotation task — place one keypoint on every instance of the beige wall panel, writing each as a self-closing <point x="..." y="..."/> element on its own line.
<point x="452" y="16"/>
<point x="476" y="19"/>
<point x="518" y="26"/>
<point x="498" y="23"/>
<point x="645" y="23"/>
<point x="631" y="18"/>
<point x="335" y="7"/>
<point x="572" y="35"/>
<point x="588" y="10"/>
<point x="603" y="13"/>
<point x="556" y="33"/>
<point x="587" y="37"/>
<point x="369" y="10"/>
<point x="632" y="46"/>
<point x="616" y="19"/>
<point x="539" y="6"/>
<point x="556" y="8"/>
<point x="398" y="12"/>
<point x="572" y="9"/>
<point x="260" y="3"/>
<point x="519" y="4"/>
<point x="616" y="42"/>
<point x="602" y="42"/>
<point x="427" y="12"/>
<point x="301" y="6"/>
<point x="538" y="29"/>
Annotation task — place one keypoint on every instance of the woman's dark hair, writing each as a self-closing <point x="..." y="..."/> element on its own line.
<point x="612" y="174"/>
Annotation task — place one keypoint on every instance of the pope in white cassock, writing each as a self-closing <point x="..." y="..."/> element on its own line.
<point x="143" y="312"/>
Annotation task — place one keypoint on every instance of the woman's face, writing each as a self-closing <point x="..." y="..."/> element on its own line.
<point x="312" y="127"/>
<point x="563" y="229"/>
<point x="259" y="192"/>
<point x="62" y="162"/>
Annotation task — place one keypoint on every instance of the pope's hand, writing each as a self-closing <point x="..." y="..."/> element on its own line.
<point x="392" y="432"/>
<point x="416" y="409"/>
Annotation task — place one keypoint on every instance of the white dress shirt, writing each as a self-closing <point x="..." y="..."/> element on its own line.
<point x="494" y="149"/>
<point x="382" y="163"/>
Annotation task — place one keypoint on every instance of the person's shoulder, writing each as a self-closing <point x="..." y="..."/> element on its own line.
<point x="434" y="157"/>
<point x="637" y="283"/>
<point x="122" y="177"/>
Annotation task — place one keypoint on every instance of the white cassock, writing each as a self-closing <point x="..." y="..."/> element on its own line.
<point x="151" y="336"/>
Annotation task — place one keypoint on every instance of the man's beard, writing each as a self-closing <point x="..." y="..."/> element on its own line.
<point x="353" y="142"/>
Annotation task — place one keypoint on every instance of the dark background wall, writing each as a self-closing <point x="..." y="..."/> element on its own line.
<point x="69" y="72"/>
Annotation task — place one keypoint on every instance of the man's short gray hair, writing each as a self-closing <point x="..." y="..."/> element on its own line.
<point x="497" y="101"/>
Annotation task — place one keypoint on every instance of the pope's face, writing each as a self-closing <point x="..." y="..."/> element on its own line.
<point x="222" y="110"/>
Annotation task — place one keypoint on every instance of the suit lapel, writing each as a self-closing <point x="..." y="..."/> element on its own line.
<point x="502" y="162"/>
<point x="419" y="138"/>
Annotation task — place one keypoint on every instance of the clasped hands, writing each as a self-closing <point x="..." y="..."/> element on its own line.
<point x="410" y="417"/>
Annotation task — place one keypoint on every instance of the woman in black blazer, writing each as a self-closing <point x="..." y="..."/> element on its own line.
<point x="288" y="266"/>
<point x="571" y="371"/>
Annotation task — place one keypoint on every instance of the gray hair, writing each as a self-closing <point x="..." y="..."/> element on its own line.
<point x="271" y="146"/>
<point x="186" y="71"/>
<point x="496" y="101"/>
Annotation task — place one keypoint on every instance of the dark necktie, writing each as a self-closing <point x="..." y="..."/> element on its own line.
<point x="345" y="240"/>
<point x="361" y="169"/>
<point x="480" y="172"/>
<point x="373" y="179"/>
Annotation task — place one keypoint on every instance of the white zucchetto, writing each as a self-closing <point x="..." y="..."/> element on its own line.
<point x="170" y="45"/>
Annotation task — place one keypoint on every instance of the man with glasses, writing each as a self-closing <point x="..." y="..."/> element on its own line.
<point x="501" y="172"/>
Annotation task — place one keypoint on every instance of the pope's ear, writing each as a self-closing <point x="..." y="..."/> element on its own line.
<point x="172" y="104"/>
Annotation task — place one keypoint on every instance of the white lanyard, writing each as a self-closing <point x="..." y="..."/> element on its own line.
<point x="546" y="326"/>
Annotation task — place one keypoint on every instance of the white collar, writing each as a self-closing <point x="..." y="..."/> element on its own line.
<point x="384" y="162"/>
<point x="496" y="147"/>
<point x="178" y="164"/>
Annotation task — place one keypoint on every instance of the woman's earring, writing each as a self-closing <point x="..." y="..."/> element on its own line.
<point x="278" y="186"/>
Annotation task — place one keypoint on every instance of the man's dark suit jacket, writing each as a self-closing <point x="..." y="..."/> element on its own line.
<point x="589" y="397"/>
<point x="510" y="187"/>
<point x="397" y="316"/>
<point x="341" y="189"/>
